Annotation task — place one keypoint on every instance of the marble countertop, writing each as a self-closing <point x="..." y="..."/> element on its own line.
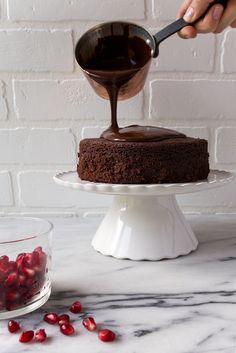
<point x="185" y="305"/>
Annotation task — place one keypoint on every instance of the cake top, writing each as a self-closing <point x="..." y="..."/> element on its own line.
<point x="136" y="133"/>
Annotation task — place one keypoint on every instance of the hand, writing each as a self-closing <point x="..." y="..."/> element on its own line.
<point x="215" y="21"/>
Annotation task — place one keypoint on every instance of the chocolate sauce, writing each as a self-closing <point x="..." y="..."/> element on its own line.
<point x="117" y="60"/>
<point x="140" y="133"/>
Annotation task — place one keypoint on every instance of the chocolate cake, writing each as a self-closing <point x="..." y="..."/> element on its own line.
<point x="173" y="160"/>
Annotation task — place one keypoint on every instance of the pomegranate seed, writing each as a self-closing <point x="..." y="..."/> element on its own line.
<point x="11" y="279"/>
<point x="76" y="307"/>
<point x="26" y="336"/>
<point x="4" y="266"/>
<point x="12" y="296"/>
<point x="89" y="323"/>
<point x="40" y="257"/>
<point x="12" y="266"/>
<point x="67" y="329"/>
<point x="20" y="259"/>
<point x="4" y="259"/>
<point x="38" y="249"/>
<point x="63" y="319"/>
<point x="40" y="335"/>
<point x="28" y="272"/>
<point x="29" y="260"/>
<point x="51" y="318"/>
<point x="106" y="335"/>
<point x="10" y="306"/>
<point x="13" y="326"/>
<point x="21" y="280"/>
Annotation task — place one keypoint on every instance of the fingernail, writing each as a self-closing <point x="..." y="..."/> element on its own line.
<point x="217" y="13"/>
<point x="189" y="14"/>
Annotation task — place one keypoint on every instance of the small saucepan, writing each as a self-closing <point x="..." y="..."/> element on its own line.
<point x="114" y="47"/>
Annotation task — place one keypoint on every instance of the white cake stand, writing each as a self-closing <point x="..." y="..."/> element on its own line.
<point x="144" y="221"/>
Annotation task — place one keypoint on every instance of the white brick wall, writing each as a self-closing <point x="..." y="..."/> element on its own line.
<point x="193" y="99"/>
<point x="6" y="198"/>
<point x="46" y="106"/>
<point x="228" y="64"/>
<point x="67" y="10"/>
<point x="36" y="50"/>
<point x="178" y="55"/>
<point x="66" y="99"/>
<point x="37" y="146"/>
<point x="165" y="9"/>
<point x="33" y="184"/>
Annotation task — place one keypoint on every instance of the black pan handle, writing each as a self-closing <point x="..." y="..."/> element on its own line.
<point x="178" y="25"/>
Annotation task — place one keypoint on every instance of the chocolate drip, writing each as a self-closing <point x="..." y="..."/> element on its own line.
<point x="117" y="60"/>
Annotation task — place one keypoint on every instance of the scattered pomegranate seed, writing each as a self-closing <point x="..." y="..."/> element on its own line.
<point x="40" y="335"/>
<point x="76" y="307"/>
<point x="89" y="323"/>
<point x="51" y="318"/>
<point x="106" y="335"/>
<point x="67" y="329"/>
<point x="13" y="326"/>
<point x="26" y="336"/>
<point x="63" y="319"/>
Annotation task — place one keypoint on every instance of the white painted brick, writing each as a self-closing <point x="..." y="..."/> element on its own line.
<point x="166" y="9"/>
<point x="37" y="146"/>
<point x="221" y="197"/>
<point x="228" y="62"/>
<point x="36" y="50"/>
<point x="6" y="192"/>
<point x="38" y="189"/>
<point x="3" y="102"/>
<point x="67" y="99"/>
<point x="61" y="10"/>
<point x="226" y="145"/>
<point x="196" y="99"/>
<point x="92" y="132"/>
<point x="190" y="55"/>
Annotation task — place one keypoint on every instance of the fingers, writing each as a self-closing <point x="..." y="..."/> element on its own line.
<point x="188" y="32"/>
<point x="196" y="9"/>
<point x="228" y="18"/>
<point x="211" y="21"/>
<point x="183" y="8"/>
<point x="208" y="24"/>
<point x="216" y="19"/>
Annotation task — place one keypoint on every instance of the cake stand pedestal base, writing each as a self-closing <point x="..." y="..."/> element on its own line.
<point x="144" y="221"/>
<point x="144" y="227"/>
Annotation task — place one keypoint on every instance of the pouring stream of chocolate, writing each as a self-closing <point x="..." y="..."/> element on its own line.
<point x="117" y="60"/>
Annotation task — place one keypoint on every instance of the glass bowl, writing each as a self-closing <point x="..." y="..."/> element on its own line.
<point x="25" y="258"/>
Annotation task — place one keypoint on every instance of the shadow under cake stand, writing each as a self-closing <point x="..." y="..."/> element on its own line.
<point x="144" y="222"/>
